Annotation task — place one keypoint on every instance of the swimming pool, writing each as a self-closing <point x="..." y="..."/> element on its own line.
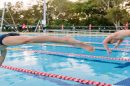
<point x="101" y="70"/>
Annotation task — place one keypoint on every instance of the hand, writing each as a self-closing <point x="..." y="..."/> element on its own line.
<point x="109" y="51"/>
<point x="118" y="43"/>
<point x="115" y="46"/>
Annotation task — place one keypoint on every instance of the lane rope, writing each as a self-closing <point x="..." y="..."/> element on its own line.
<point x="81" y="56"/>
<point x="115" y="49"/>
<point x="99" y="48"/>
<point x="82" y="81"/>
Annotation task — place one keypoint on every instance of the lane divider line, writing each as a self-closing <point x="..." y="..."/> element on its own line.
<point x="82" y="81"/>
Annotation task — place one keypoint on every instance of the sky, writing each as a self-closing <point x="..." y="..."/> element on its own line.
<point x="26" y="2"/>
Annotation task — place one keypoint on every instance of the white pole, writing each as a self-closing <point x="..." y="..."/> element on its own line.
<point x="3" y="13"/>
<point x="44" y="13"/>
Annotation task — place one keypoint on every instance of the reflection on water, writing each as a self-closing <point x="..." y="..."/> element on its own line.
<point x="90" y="69"/>
<point x="23" y="58"/>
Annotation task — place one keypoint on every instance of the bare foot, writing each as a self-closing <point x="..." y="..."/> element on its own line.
<point x="79" y="44"/>
<point x="87" y="47"/>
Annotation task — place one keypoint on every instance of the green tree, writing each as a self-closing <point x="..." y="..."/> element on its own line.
<point x="117" y="16"/>
<point x="96" y="12"/>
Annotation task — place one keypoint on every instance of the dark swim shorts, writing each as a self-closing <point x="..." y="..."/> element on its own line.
<point x="5" y="35"/>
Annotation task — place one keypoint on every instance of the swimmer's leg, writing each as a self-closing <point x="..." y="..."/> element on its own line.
<point x="17" y="40"/>
<point x="2" y="56"/>
<point x="64" y="40"/>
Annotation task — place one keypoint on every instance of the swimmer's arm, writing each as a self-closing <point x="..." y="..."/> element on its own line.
<point x="105" y="43"/>
<point x="118" y="43"/>
<point x="2" y="57"/>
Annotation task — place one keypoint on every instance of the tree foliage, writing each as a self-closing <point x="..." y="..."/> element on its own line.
<point x="96" y="12"/>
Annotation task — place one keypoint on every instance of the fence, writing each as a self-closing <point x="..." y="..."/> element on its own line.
<point x="65" y="29"/>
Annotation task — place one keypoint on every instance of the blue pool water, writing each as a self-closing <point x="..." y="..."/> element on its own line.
<point x="89" y="69"/>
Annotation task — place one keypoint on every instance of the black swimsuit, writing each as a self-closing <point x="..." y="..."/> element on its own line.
<point x="5" y="35"/>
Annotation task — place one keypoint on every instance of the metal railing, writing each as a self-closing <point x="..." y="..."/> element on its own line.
<point x="67" y="29"/>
